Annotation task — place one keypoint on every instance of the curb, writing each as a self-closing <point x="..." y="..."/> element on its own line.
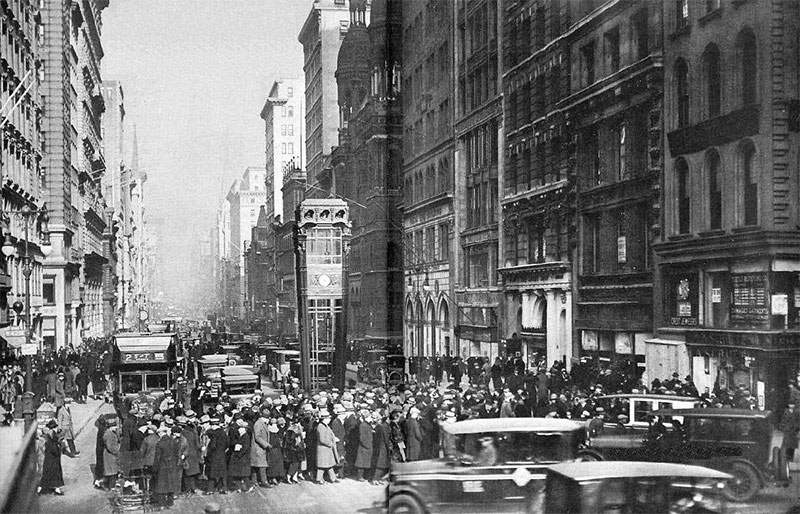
<point x="89" y="419"/>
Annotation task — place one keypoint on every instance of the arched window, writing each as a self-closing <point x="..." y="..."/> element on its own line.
<point x="748" y="66"/>
<point x="747" y="154"/>
<point x="714" y="189"/>
<point x="682" y="92"/>
<point x="682" y="183"/>
<point x="713" y="81"/>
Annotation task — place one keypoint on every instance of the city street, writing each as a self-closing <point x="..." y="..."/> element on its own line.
<point x="348" y="496"/>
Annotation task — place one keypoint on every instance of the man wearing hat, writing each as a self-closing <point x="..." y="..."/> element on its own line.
<point x="327" y="455"/>
<point x="64" y="418"/>
<point x="216" y="465"/>
<point x="790" y="424"/>
<point x="260" y="446"/>
<point x="110" y="453"/>
<point x="363" y="460"/>
<point x="413" y="434"/>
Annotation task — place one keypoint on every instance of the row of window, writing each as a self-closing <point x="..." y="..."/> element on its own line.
<point x="287" y="130"/>
<point x="424" y="78"/>
<point x="629" y="227"/>
<point x="427" y="245"/>
<point x="429" y="130"/>
<point x="434" y="16"/>
<point x="712" y="86"/>
<point x="636" y="32"/>
<point x="433" y="181"/>
<point x="745" y="172"/>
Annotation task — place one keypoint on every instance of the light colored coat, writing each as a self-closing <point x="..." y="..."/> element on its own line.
<point x="327" y="456"/>
<point x="260" y="444"/>
<point x="110" y="453"/>
<point x="65" y="422"/>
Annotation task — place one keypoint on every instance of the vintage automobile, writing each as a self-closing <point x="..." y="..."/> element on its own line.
<point x="651" y="487"/>
<point x="209" y="370"/>
<point x="489" y="464"/>
<point x="740" y="442"/>
<point x="239" y="381"/>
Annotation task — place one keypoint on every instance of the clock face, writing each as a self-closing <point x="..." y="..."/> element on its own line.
<point x="324" y="280"/>
<point x="143" y="315"/>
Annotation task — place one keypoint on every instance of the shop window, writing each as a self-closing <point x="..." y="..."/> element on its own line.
<point x="714" y="190"/>
<point x="749" y="302"/>
<point x="718" y="296"/>
<point x="785" y="292"/>
<point x="683" y="299"/>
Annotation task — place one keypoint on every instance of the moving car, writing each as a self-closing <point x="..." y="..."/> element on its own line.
<point x="489" y="464"/>
<point x="740" y="442"/>
<point x="651" y="487"/>
<point x="239" y="381"/>
<point x="209" y="370"/>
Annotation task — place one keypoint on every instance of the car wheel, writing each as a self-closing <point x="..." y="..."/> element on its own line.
<point x="589" y="456"/>
<point x="405" y="504"/>
<point x="744" y="485"/>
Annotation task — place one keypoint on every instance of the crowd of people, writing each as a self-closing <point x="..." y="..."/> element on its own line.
<point x="189" y="441"/>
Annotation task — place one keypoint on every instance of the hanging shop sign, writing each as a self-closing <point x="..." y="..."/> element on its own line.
<point x="749" y="303"/>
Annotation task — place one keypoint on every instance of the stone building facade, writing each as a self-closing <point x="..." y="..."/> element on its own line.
<point x="428" y="186"/>
<point x="727" y="281"/>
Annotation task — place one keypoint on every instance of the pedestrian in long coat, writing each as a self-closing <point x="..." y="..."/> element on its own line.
<point x="351" y="424"/>
<point x="167" y="467"/>
<point x="64" y="418"/>
<point x="413" y="435"/>
<point x="310" y="430"/>
<point x="337" y="425"/>
<point x="52" y="475"/>
<point x="111" y="453"/>
<point x="790" y="424"/>
<point x="275" y="453"/>
<point x="191" y="457"/>
<point x="366" y="435"/>
<point x="260" y="446"/>
<point x="381" y="450"/>
<point x="239" y="446"/>
<point x="98" y="452"/>
<point x="216" y="465"/>
<point x="326" y="448"/>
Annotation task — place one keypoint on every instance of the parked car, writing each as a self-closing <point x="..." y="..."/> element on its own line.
<point x="651" y="487"/>
<point x="489" y="464"/>
<point x="740" y="442"/>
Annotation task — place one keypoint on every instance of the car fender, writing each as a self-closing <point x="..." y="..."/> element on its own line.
<point x="725" y="465"/>
<point x="394" y="490"/>
<point x="590" y="454"/>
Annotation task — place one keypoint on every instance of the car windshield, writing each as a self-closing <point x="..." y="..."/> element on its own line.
<point x="508" y="447"/>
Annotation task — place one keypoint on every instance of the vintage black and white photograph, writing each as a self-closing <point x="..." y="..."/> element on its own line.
<point x="400" y="256"/>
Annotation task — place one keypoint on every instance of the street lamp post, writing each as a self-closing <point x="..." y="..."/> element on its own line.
<point x="26" y="214"/>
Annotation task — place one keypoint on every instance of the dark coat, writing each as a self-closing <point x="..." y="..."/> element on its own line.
<point x="52" y="475"/>
<point x="326" y="447"/>
<point x="413" y="439"/>
<point x="364" y="449"/>
<point x="239" y="464"/>
<point x="216" y="466"/>
<point x="275" y="455"/>
<point x="351" y="437"/>
<point x="98" y="449"/>
<point x="191" y="463"/>
<point x="167" y="467"/>
<point x="790" y="424"/>
<point x="136" y="440"/>
<point x="381" y="446"/>
<point x="338" y="430"/>
<point x="294" y="447"/>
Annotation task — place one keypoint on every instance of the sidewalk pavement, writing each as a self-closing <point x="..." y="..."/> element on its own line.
<point x="84" y="414"/>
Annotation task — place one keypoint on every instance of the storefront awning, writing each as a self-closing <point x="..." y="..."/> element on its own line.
<point x="670" y="342"/>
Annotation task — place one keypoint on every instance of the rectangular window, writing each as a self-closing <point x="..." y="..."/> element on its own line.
<point x="324" y="246"/>
<point x="587" y="64"/>
<point x="290" y="148"/>
<point x="444" y="242"/>
<point x="478" y="266"/>
<point x="682" y="172"/>
<point x="283" y="130"/>
<point x="48" y="290"/>
<point x="430" y="244"/>
<point x="612" y="51"/>
<point x="290" y="130"/>
<point x="681" y="14"/>
<point x="290" y="92"/>
<point x="283" y="148"/>
<point x="290" y="111"/>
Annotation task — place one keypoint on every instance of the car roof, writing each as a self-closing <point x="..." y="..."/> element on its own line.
<point x="477" y="426"/>
<point x="237" y="370"/>
<point x="647" y="396"/>
<point x="713" y="413"/>
<point x="622" y="469"/>
<point x="213" y="358"/>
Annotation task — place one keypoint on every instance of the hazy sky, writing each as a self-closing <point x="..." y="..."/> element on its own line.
<point x="195" y="76"/>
